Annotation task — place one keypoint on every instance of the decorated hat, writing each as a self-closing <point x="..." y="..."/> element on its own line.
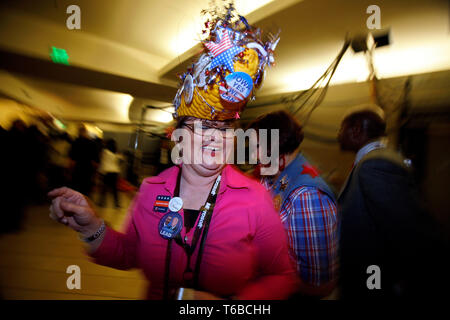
<point x="225" y="76"/>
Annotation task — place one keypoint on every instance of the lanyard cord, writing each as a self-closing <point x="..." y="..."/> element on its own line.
<point x="200" y="251"/>
<point x="167" y="269"/>
<point x="202" y="225"/>
<point x="207" y="211"/>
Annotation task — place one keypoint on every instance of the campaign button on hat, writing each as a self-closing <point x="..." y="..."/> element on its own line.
<point x="188" y="89"/>
<point x="238" y="87"/>
<point x="175" y="204"/>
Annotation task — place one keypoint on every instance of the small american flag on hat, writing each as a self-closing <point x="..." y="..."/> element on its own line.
<point x="223" y="45"/>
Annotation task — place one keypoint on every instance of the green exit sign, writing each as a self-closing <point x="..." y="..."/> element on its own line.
<point x="59" y="56"/>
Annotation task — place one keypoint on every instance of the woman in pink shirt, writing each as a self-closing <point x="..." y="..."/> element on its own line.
<point x="245" y="253"/>
<point x="201" y="224"/>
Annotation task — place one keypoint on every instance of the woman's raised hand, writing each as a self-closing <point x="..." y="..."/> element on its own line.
<point x="73" y="209"/>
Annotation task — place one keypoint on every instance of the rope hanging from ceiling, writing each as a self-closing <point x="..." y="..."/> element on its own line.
<point x="308" y="100"/>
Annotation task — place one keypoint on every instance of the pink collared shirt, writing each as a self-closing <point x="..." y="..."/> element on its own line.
<point x="245" y="253"/>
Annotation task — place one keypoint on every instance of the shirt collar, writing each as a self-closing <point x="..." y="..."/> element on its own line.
<point x="292" y="169"/>
<point x="168" y="178"/>
<point x="377" y="144"/>
<point x="233" y="178"/>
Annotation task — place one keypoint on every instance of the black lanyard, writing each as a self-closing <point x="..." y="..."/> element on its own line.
<point x="190" y="276"/>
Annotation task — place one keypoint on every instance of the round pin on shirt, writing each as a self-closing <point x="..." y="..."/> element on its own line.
<point x="175" y="204"/>
<point x="170" y="225"/>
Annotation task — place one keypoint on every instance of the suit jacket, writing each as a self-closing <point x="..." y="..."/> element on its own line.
<point x="383" y="224"/>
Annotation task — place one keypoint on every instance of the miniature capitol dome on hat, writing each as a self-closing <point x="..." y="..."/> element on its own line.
<point x="224" y="78"/>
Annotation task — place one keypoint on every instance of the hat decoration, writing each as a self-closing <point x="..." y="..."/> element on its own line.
<point x="224" y="78"/>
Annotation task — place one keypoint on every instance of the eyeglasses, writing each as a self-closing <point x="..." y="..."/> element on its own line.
<point x="226" y="132"/>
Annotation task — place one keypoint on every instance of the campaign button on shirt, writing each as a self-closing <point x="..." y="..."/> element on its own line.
<point x="175" y="204"/>
<point x="161" y="204"/>
<point x="170" y="225"/>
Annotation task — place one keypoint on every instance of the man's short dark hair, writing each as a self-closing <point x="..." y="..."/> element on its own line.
<point x="370" y="123"/>
<point x="291" y="132"/>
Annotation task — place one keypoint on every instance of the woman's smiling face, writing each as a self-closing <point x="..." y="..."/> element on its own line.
<point x="206" y="143"/>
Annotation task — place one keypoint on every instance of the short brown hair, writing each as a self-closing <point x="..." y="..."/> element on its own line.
<point x="370" y="122"/>
<point x="291" y="132"/>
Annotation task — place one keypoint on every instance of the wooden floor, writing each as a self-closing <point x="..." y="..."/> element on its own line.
<point x="33" y="262"/>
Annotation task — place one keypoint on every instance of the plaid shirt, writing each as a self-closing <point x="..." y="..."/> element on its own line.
<point x="310" y="218"/>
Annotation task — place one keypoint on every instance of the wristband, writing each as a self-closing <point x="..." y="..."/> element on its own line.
<point x="96" y="235"/>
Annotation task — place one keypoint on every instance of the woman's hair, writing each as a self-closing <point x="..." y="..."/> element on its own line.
<point x="111" y="145"/>
<point x="290" y="130"/>
<point x="181" y="120"/>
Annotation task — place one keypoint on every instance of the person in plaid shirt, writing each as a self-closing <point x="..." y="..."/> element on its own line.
<point x="307" y="208"/>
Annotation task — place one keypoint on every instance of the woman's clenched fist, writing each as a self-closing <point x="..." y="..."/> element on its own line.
<point x="73" y="209"/>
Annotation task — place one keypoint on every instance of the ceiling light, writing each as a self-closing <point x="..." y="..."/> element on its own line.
<point x="159" y="114"/>
<point x="124" y="105"/>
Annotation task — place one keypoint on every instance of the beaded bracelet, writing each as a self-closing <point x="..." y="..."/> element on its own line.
<point x="97" y="234"/>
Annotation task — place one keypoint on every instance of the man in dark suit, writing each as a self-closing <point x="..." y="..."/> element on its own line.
<point x="387" y="243"/>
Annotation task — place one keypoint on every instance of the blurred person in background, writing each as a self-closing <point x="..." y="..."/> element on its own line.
<point x="59" y="160"/>
<point x="99" y="145"/>
<point x="383" y="222"/>
<point x="3" y="139"/>
<point x="16" y="175"/>
<point x="306" y="205"/>
<point x="130" y="174"/>
<point x="37" y="162"/>
<point x="109" y="169"/>
<point x="4" y="171"/>
<point x="228" y="241"/>
<point x="84" y="155"/>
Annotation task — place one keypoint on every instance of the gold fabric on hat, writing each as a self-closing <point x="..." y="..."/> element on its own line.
<point x="208" y="105"/>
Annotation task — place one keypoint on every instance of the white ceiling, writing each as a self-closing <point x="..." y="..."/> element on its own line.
<point x="149" y="41"/>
